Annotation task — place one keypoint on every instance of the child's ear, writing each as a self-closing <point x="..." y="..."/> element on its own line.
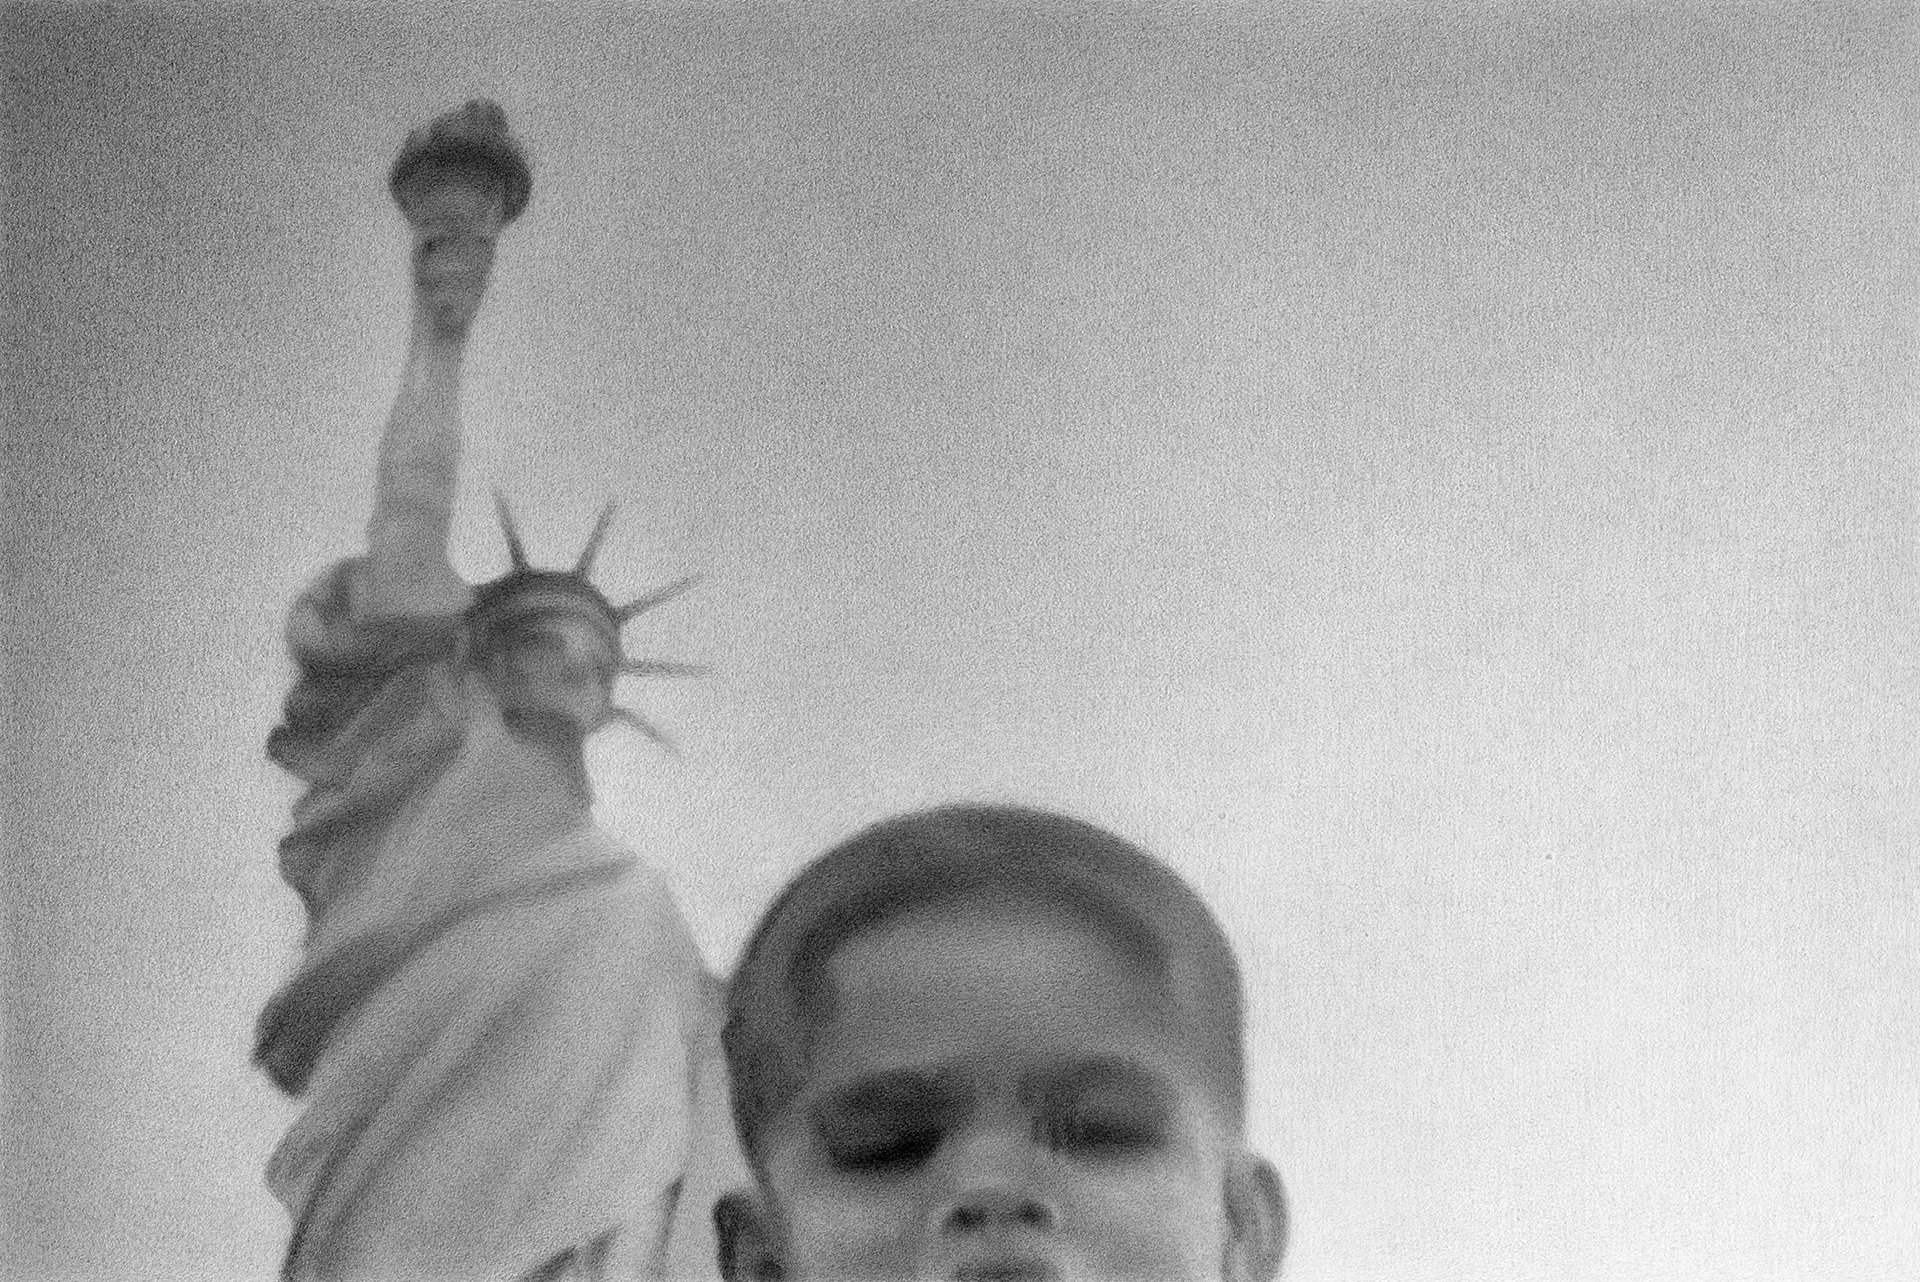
<point x="1256" y="1205"/>
<point x="748" y="1237"/>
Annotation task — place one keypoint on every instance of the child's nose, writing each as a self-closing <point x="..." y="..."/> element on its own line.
<point x="985" y="1209"/>
<point x="996" y="1182"/>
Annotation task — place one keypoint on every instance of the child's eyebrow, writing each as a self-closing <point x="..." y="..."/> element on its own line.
<point x="924" y="1091"/>
<point x="1059" y="1083"/>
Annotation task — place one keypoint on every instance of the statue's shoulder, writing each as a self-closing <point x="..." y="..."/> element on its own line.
<point x="376" y="673"/>
<point x="339" y="621"/>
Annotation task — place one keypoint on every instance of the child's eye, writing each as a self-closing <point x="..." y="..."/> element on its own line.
<point x="1105" y="1136"/>
<point x="886" y="1124"/>
<point x="893" y="1153"/>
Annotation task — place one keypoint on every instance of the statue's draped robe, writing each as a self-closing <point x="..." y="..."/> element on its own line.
<point x="502" y="1034"/>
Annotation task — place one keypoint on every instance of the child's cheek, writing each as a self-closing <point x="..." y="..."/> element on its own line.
<point x="1161" y="1221"/>
<point x="842" y="1232"/>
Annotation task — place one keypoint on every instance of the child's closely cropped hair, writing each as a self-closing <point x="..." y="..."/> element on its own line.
<point x="989" y="1043"/>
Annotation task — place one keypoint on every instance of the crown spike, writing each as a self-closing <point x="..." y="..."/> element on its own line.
<point x="659" y="596"/>
<point x="515" y="548"/>
<point x="584" y="565"/>
<point x="663" y="668"/>
<point x="628" y="717"/>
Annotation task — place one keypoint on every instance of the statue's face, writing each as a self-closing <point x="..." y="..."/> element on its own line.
<point x="555" y="667"/>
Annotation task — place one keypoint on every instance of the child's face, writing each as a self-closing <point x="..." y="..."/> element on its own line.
<point x="999" y="1095"/>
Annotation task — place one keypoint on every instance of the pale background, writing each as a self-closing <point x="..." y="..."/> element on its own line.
<point x="1443" y="476"/>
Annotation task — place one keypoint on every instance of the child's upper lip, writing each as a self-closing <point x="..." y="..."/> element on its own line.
<point x="1005" y="1268"/>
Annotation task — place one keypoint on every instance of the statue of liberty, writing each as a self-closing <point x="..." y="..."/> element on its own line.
<point x="500" y="1030"/>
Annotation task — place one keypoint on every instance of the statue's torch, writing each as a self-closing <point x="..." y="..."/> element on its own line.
<point x="458" y="181"/>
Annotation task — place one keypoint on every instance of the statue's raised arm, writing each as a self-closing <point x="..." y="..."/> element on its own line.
<point x="499" y="1028"/>
<point x="459" y="182"/>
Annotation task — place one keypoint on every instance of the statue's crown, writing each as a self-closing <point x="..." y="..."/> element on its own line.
<point x="526" y="594"/>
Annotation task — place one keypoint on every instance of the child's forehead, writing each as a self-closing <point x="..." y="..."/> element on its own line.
<point x="900" y="892"/>
<point x="1005" y="918"/>
<point x="969" y="948"/>
<point x="972" y="984"/>
<point x="954" y="1088"/>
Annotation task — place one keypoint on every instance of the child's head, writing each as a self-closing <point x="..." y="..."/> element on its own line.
<point x="993" y="1043"/>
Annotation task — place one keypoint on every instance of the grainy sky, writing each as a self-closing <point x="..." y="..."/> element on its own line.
<point x="1442" y="475"/>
